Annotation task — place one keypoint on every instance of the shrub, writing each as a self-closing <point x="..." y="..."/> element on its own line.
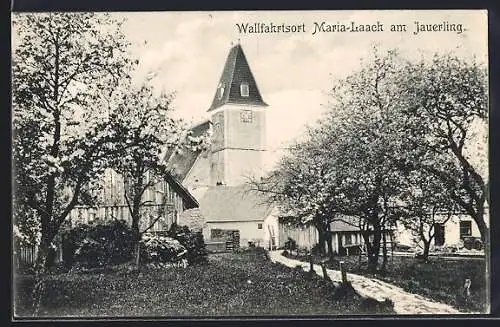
<point x="192" y="241"/>
<point x="412" y="286"/>
<point x="97" y="244"/>
<point x="157" y="248"/>
<point x="316" y="249"/>
<point x="373" y="306"/>
<point x="290" y="244"/>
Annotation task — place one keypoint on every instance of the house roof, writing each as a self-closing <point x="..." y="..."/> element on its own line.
<point x="345" y="224"/>
<point x="189" y="200"/>
<point x="341" y="223"/>
<point x="236" y="71"/>
<point x="179" y="163"/>
<point x="233" y="204"/>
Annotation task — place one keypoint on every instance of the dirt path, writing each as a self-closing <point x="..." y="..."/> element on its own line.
<point x="404" y="302"/>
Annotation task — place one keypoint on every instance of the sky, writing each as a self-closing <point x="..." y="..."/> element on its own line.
<point x="294" y="71"/>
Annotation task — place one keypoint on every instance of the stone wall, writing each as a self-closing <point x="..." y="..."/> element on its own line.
<point x="192" y="219"/>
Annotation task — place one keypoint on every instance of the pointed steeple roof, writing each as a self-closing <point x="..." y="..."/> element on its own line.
<point x="236" y="72"/>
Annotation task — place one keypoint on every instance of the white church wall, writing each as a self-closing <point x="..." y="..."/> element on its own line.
<point x="249" y="230"/>
<point x="199" y="174"/>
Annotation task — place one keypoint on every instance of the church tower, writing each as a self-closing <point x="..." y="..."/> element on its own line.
<point x="239" y="124"/>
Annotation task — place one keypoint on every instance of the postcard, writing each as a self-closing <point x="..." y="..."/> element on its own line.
<point x="250" y="164"/>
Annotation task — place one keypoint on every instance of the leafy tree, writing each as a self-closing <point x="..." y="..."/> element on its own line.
<point x="68" y="71"/>
<point x="308" y="189"/>
<point x="145" y="122"/>
<point x="365" y="111"/>
<point x="449" y="97"/>
<point x="427" y="202"/>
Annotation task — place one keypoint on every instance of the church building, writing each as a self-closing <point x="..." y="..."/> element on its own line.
<point x="218" y="177"/>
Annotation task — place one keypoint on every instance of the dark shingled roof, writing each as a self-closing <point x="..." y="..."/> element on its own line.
<point x="179" y="163"/>
<point x="236" y="71"/>
<point x="233" y="203"/>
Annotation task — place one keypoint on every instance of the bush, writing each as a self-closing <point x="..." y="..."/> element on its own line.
<point x="316" y="249"/>
<point x="412" y="286"/>
<point x="373" y="306"/>
<point x="161" y="249"/>
<point x="290" y="244"/>
<point x="192" y="241"/>
<point x="97" y="244"/>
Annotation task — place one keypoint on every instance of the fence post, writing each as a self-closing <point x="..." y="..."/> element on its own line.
<point x="325" y="274"/>
<point x="311" y="265"/>
<point x="466" y="289"/>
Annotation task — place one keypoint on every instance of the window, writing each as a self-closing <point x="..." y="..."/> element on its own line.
<point x="259" y="226"/>
<point x="465" y="228"/>
<point x="348" y="239"/>
<point x="439" y="234"/>
<point x="244" y="89"/>
<point x="221" y="90"/>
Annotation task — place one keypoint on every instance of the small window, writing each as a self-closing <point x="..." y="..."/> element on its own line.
<point x="465" y="228"/>
<point x="259" y="226"/>
<point x="221" y="90"/>
<point x="244" y="90"/>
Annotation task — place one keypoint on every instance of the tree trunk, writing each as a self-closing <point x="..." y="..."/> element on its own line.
<point x="391" y="238"/>
<point x="485" y="238"/>
<point x="374" y="250"/>
<point x="329" y="242"/>
<point x="40" y="272"/>
<point x="384" y="250"/>
<point x="321" y="242"/>
<point x="425" y="254"/>
<point x="138" y="254"/>
<point x="322" y="238"/>
<point x="366" y="238"/>
<point x="483" y="230"/>
<point x="136" y="239"/>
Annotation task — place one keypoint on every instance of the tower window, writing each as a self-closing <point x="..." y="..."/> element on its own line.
<point x="221" y="90"/>
<point x="244" y="89"/>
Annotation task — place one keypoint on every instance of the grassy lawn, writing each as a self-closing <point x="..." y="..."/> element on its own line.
<point x="440" y="279"/>
<point x="240" y="284"/>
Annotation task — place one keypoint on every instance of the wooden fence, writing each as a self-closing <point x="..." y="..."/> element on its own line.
<point x="25" y="255"/>
<point x="305" y="237"/>
<point x="86" y="214"/>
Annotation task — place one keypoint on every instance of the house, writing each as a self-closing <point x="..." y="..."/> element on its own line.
<point x="346" y="235"/>
<point x="459" y="231"/>
<point x="237" y="210"/>
<point x="167" y="197"/>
